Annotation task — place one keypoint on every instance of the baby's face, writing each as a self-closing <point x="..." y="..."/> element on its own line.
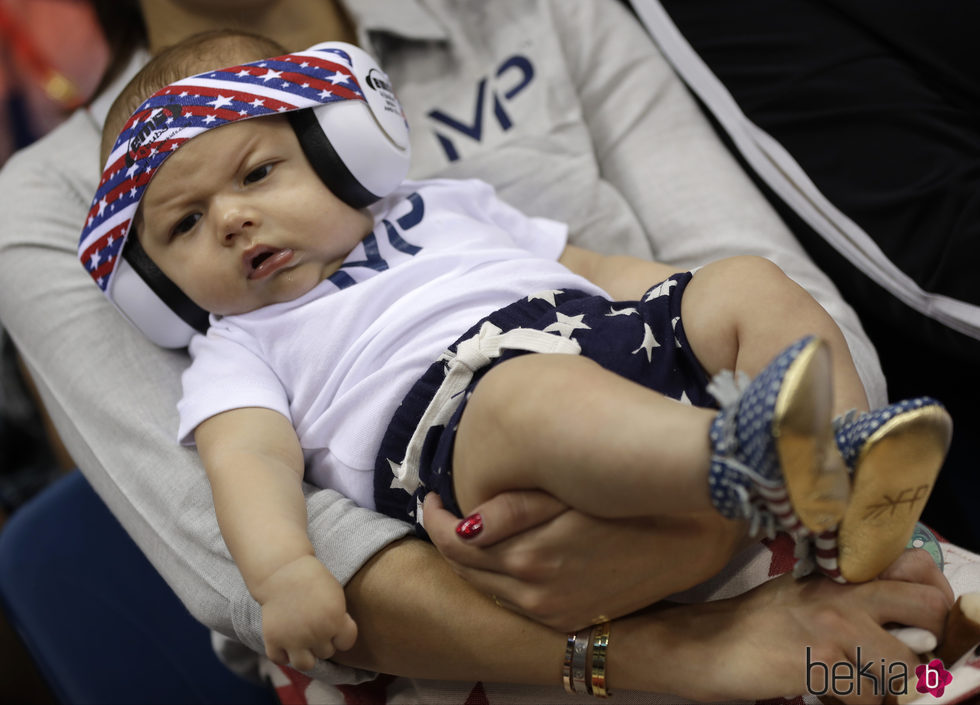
<point x="238" y="219"/>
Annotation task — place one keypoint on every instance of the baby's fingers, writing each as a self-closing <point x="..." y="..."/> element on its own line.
<point x="346" y="634"/>
<point x="342" y="640"/>
<point x="302" y="659"/>
<point x="277" y="655"/>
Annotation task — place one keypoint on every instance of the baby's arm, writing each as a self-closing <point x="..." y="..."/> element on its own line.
<point x="255" y="465"/>
<point x="625" y="278"/>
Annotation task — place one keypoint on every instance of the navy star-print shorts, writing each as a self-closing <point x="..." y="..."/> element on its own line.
<point x="643" y="341"/>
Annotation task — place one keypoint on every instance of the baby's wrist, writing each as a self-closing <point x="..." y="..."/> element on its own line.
<point x="292" y="574"/>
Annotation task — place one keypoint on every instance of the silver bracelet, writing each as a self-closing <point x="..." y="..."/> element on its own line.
<point x="580" y="683"/>
<point x="575" y="665"/>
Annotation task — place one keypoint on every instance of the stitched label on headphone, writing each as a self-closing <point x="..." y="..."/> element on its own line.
<point x="386" y="108"/>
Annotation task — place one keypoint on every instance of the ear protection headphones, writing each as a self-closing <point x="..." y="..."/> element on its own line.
<point x="347" y="119"/>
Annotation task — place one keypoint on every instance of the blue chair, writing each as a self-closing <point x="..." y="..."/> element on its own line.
<point x="100" y="623"/>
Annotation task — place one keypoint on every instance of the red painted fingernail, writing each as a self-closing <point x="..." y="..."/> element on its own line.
<point x="470" y="527"/>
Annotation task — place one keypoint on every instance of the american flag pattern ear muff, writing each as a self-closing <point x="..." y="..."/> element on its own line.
<point x="362" y="153"/>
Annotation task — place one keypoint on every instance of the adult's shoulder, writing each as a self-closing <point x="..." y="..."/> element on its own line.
<point x="56" y="175"/>
<point x="66" y="159"/>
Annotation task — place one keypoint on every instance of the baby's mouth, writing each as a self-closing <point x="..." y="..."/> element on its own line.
<point x="261" y="260"/>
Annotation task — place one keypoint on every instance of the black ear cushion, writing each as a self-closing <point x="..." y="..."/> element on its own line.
<point x="192" y="314"/>
<point x="326" y="162"/>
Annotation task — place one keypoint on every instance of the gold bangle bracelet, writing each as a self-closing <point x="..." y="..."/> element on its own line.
<point x="600" y="642"/>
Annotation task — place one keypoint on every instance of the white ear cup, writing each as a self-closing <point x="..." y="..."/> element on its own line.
<point x="359" y="148"/>
<point x="135" y="299"/>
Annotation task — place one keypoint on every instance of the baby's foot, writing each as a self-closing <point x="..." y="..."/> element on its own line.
<point x="894" y="455"/>
<point x="771" y="440"/>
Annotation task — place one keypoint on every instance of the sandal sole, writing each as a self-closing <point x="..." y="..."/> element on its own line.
<point x="816" y="480"/>
<point x="893" y="476"/>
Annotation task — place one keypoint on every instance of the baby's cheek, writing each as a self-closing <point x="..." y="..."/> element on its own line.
<point x="216" y="296"/>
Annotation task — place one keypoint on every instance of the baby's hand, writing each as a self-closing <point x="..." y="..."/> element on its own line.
<point x="304" y="615"/>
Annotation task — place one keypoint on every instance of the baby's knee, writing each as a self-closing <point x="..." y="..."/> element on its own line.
<point x="741" y="285"/>
<point x="747" y="269"/>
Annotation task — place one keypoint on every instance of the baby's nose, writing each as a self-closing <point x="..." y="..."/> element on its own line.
<point x="236" y="221"/>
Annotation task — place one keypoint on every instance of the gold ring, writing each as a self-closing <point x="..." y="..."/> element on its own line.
<point x="496" y="601"/>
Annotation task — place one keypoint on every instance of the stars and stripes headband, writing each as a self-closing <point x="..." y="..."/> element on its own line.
<point x="355" y="137"/>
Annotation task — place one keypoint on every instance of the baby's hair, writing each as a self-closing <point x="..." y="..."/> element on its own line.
<point x="199" y="53"/>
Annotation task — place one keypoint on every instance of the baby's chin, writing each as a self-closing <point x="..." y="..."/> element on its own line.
<point x="293" y="291"/>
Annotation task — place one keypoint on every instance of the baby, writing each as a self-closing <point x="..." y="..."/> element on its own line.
<point x="439" y="340"/>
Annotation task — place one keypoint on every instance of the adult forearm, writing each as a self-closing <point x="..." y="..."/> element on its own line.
<point x="408" y="595"/>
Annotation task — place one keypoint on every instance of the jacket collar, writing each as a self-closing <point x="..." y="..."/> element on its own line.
<point x="409" y="19"/>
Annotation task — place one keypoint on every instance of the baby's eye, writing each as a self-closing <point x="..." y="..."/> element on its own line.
<point x="185" y="224"/>
<point x="258" y="174"/>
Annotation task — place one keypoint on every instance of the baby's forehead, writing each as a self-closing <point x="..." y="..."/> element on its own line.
<point x="215" y="152"/>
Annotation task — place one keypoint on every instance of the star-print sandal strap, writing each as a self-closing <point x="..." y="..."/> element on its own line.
<point x="818" y="553"/>
<point x="853" y="429"/>
<point x="770" y="438"/>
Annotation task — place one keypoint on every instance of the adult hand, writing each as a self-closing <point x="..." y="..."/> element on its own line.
<point x="566" y="569"/>
<point x="915" y="565"/>
<point x="784" y="638"/>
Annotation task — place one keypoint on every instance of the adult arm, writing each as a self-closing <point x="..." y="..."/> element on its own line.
<point x="564" y="568"/>
<point x="756" y="643"/>
<point x="647" y="130"/>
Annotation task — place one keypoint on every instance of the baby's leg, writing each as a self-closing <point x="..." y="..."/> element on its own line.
<point x="597" y="441"/>
<point x="736" y="312"/>
<point x="610" y="447"/>
<point x="741" y="311"/>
